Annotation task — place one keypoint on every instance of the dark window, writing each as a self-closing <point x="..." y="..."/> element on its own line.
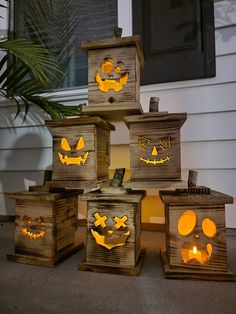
<point x="178" y="39"/>
<point x="61" y="25"/>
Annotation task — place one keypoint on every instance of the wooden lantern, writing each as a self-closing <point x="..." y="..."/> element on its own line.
<point x="155" y="147"/>
<point x="81" y="152"/>
<point x="45" y="226"/>
<point x="113" y="76"/>
<point x="113" y="232"/>
<point x="195" y="234"/>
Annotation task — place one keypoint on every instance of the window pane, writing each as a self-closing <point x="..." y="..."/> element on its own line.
<point x="61" y="25"/>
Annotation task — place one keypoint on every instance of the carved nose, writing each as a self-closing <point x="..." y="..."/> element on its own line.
<point x="196" y="236"/>
<point x="33" y="227"/>
<point x="154" y="151"/>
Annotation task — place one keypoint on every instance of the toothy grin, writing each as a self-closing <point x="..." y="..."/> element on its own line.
<point x="154" y="161"/>
<point x="73" y="161"/>
<point x="33" y="236"/>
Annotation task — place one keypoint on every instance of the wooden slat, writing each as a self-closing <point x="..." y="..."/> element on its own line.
<point x="115" y="269"/>
<point x="80" y="121"/>
<point x="113" y="112"/>
<point x="114" y="43"/>
<point x="217" y="198"/>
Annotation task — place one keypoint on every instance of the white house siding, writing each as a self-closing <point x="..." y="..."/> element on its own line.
<point x="208" y="136"/>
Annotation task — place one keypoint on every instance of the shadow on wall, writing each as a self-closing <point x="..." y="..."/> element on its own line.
<point x="23" y="166"/>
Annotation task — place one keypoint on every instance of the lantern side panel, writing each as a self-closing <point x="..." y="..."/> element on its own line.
<point x="154" y="152"/>
<point x="66" y="215"/>
<point x="33" y="217"/>
<point x="78" y="161"/>
<point x="124" y="58"/>
<point x="128" y="253"/>
<point x="196" y="249"/>
<point x="103" y="153"/>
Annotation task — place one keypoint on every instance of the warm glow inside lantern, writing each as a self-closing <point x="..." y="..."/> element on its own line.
<point x="113" y="228"/>
<point x="113" y="77"/>
<point x="81" y="151"/>
<point x="195" y="230"/>
<point x="155" y="146"/>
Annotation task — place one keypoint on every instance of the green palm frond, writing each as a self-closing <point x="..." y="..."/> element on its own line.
<point x="37" y="65"/>
<point x="34" y="57"/>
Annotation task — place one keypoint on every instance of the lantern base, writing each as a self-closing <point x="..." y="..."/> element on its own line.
<point x="119" y="269"/>
<point x="113" y="111"/>
<point x="44" y="261"/>
<point x="187" y="273"/>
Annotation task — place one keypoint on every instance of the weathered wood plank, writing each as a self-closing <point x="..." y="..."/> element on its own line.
<point x="180" y="273"/>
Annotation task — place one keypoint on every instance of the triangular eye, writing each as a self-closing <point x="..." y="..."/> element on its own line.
<point x="64" y="144"/>
<point x="80" y="143"/>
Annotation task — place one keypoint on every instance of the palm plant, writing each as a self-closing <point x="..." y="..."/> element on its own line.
<point x="29" y="69"/>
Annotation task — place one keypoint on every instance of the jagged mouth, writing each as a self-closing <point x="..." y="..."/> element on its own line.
<point x="154" y="161"/>
<point x="33" y="235"/>
<point x="201" y="255"/>
<point x="73" y="160"/>
<point x="110" y="242"/>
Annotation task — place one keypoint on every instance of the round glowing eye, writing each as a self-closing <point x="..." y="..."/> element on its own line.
<point x="187" y="222"/>
<point x="117" y="69"/>
<point x="209" y="227"/>
<point x="106" y="67"/>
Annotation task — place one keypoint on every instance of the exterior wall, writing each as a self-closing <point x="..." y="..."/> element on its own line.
<point x="208" y="135"/>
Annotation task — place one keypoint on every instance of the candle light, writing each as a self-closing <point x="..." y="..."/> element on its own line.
<point x="195" y="253"/>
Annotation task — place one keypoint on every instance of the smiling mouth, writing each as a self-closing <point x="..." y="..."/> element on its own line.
<point x="154" y="161"/>
<point x="33" y="236"/>
<point x="110" y="243"/>
<point x="73" y="161"/>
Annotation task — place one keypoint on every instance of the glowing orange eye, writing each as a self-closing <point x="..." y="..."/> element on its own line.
<point x="209" y="227"/>
<point x="80" y="143"/>
<point x="106" y="66"/>
<point x="117" y="69"/>
<point x="187" y="222"/>
<point x="64" y="144"/>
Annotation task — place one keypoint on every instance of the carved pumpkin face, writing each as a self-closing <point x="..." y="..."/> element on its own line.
<point x="110" y="76"/>
<point x="110" y="237"/>
<point x="196" y="246"/>
<point x="155" y="155"/>
<point x="74" y="157"/>
<point x="33" y="229"/>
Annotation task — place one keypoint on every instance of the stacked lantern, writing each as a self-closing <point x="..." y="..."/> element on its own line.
<point x="113" y="77"/>
<point x="46" y="225"/>
<point x="114" y="215"/>
<point x="46" y="218"/>
<point x="113" y="232"/>
<point x="81" y="152"/>
<point x="196" y="234"/>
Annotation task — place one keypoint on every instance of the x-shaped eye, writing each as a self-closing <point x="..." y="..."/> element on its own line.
<point x="120" y="222"/>
<point x="143" y="143"/>
<point x="100" y="220"/>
